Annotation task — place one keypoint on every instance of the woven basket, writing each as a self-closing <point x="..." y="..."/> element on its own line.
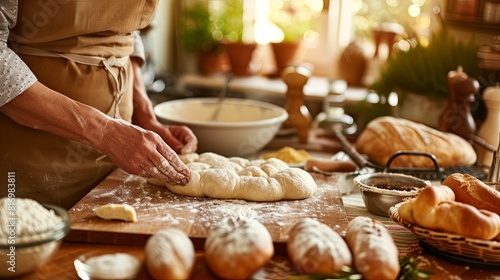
<point x="475" y="249"/>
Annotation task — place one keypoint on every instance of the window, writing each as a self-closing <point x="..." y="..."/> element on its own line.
<point x="327" y="26"/>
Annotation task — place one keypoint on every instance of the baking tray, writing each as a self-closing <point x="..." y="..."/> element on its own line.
<point x="432" y="174"/>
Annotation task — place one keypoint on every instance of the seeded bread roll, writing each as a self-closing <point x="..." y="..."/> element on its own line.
<point x="384" y="136"/>
<point x="315" y="248"/>
<point x="237" y="248"/>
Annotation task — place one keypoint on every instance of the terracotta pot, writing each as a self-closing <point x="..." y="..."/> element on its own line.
<point x="353" y="64"/>
<point x="240" y="55"/>
<point x="212" y="63"/>
<point x="284" y="55"/>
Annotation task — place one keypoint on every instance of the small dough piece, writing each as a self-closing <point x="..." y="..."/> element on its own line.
<point x="169" y="254"/>
<point x="122" y="212"/>
<point x="237" y="248"/>
<point x="315" y="248"/>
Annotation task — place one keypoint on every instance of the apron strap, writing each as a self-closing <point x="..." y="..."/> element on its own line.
<point x="109" y="64"/>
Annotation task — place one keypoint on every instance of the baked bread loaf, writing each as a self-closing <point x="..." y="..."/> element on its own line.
<point x="169" y="254"/>
<point x="237" y="248"/>
<point x="435" y="208"/>
<point x="374" y="252"/>
<point x="315" y="248"/>
<point x="215" y="176"/>
<point x="468" y="189"/>
<point x="384" y="136"/>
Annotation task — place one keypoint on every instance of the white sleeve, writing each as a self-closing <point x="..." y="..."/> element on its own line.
<point x="15" y="76"/>
<point x="139" y="50"/>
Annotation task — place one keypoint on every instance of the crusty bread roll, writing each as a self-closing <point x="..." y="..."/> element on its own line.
<point x="169" y="254"/>
<point x="468" y="189"/>
<point x="434" y="208"/>
<point x="374" y="251"/>
<point x="215" y="176"/>
<point x="315" y="248"/>
<point x="384" y="136"/>
<point x="237" y="248"/>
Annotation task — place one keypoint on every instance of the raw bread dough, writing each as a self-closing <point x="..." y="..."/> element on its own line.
<point x="122" y="212"/>
<point x="216" y="176"/>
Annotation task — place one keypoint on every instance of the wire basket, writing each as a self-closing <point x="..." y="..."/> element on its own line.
<point x="433" y="174"/>
<point x="470" y="250"/>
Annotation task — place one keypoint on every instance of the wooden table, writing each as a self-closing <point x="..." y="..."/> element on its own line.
<point x="80" y="241"/>
<point x="61" y="265"/>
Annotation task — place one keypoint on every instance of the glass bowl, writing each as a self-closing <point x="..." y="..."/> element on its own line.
<point x="20" y="255"/>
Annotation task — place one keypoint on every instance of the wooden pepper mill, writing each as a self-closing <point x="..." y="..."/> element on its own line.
<point x="457" y="117"/>
<point x="295" y="77"/>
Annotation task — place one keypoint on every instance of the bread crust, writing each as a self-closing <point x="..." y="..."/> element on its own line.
<point x="384" y="136"/>
<point x="468" y="189"/>
<point x="434" y="208"/>
<point x="315" y="248"/>
<point x="237" y="248"/>
<point x="374" y="251"/>
<point x="169" y="254"/>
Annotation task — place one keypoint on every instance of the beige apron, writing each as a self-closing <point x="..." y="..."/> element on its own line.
<point x="80" y="49"/>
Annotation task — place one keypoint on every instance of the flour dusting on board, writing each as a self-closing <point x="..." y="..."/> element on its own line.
<point x="157" y="207"/>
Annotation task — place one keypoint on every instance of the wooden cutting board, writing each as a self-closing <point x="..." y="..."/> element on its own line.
<point x="158" y="208"/>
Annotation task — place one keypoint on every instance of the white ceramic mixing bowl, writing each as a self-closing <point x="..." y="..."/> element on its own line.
<point x="242" y="127"/>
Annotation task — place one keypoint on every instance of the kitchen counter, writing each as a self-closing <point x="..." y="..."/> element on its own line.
<point x="351" y="205"/>
<point x="61" y="265"/>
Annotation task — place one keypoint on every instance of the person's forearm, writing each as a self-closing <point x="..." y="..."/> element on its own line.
<point x="44" y="109"/>
<point x="135" y="150"/>
<point x="143" y="109"/>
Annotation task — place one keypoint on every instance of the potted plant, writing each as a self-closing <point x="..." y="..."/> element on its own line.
<point x="197" y="31"/>
<point x="418" y="75"/>
<point x="231" y="24"/>
<point x="294" y="21"/>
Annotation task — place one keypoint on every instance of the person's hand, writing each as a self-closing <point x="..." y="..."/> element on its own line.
<point x="142" y="152"/>
<point x="180" y="138"/>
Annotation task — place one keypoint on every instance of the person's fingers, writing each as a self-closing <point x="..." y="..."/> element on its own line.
<point x="189" y="148"/>
<point x="183" y="139"/>
<point x="168" y="166"/>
